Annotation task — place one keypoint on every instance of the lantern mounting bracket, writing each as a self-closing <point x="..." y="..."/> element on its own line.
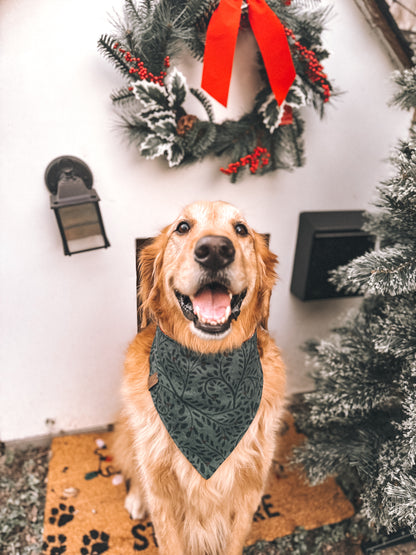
<point x="67" y="167"/>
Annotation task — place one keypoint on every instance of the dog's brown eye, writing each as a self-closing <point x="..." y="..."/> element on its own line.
<point x="241" y="229"/>
<point x="183" y="227"/>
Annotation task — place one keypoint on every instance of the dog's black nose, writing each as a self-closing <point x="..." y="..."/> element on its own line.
<point x="214" y="252"/>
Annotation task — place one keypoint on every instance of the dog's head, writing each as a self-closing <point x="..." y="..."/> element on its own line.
<point x="206" y="279"/>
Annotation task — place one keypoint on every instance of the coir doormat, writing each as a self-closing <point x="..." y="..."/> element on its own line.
<point x="85" y="513"/>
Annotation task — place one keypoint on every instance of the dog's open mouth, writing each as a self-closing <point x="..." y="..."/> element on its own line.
<point x="212" y="308"/>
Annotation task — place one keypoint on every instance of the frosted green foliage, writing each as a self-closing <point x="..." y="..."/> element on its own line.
<point x="362" y="413"/>
<point x="389" y="271"/>
<point x="396" y="219"/>
<point x="406" y="96"/>
<point x="394" y="335"/>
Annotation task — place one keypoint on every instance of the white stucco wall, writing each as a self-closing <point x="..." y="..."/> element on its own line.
<point x="66" y="321"/>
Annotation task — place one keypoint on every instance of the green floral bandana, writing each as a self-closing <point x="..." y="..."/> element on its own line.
<point x="206" y="401"/>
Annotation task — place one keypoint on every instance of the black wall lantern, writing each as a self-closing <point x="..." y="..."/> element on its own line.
<point x="75" y="204"/>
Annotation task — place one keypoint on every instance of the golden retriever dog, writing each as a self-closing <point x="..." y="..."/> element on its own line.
<point x="206" y="282"/>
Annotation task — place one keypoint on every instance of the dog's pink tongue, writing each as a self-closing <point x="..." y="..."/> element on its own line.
<point x="211" y="304"/>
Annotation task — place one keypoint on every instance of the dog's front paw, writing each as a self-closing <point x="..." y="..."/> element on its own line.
<point x="135" y="506"/>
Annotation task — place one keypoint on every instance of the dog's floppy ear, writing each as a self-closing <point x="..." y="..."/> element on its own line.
<point x="149" y="272"/>
<point x="266" y="263"/>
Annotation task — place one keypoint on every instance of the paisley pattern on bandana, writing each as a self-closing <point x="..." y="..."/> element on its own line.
<point x="206" y="401"/>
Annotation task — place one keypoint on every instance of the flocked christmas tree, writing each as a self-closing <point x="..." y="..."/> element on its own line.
<point x="362" y="414"/>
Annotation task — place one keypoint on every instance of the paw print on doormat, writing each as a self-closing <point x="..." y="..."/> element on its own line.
<point x="95" y="543"/>
<point x="54" y="545"/>
<point x="62" y="515"/>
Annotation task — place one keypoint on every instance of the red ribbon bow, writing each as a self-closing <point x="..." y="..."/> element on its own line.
<point x="220" y="45"/>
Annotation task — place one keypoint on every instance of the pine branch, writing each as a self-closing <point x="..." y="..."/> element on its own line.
<point x="236" y="138"/>
<point x="395" y="222"/>
<point x="196" y="47"/>
<point x="106" y="47"/>
<point x="389" y="271"/>
<point x="344" y="447"/>
<point x="122" y="95"/>
<point x="186" y="26"/>
<point x="134" y="12"/>
<point x="199" y="95"/>
<point x="287" y="146"/>
<point x="136" y="15"/>
<point x="397" y="328"/>
<point x="197" y="10"/>
<point x="408" y="426"/>
<point x="406" y="96"/>
<point x="296" y="130"/>
<point x="207" y="137"/>
<point x="157" y="34"/>
<point x="401" y="501"/>
<point x="198" y="140"/>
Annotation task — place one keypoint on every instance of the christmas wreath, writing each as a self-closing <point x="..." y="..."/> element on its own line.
<point x="147" y="40"/>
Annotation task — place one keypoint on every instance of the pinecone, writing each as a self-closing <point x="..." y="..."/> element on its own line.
<point x="185" y="123"/>
<point x="202" y="23"/>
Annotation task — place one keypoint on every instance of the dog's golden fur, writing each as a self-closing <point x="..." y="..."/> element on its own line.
<point x="191" y="515"/>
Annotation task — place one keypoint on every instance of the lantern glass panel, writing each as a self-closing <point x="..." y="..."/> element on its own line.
<point x="81" y="226"/>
